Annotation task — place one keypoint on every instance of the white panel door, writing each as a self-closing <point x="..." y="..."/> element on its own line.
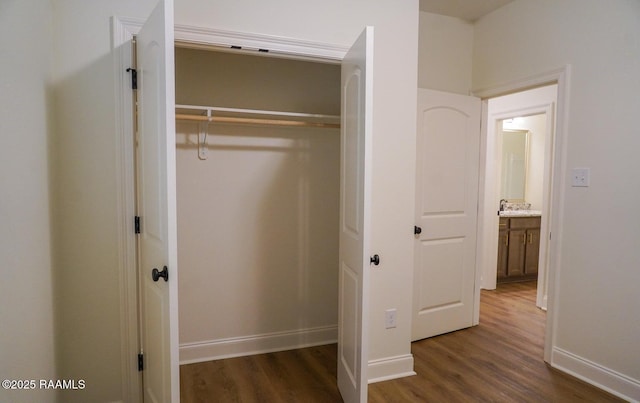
<point x="448" y="148"/>
<point x="355" y="207"/>
<point x="157" y="206"/>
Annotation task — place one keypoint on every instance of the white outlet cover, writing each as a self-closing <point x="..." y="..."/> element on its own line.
<point x="390" y="318"/>
<point x="580" y="177"/>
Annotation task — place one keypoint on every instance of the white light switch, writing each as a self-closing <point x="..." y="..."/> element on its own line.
<point x="580" y="177"/>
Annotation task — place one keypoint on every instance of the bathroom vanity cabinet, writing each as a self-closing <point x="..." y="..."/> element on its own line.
<point x="518" y="248"/>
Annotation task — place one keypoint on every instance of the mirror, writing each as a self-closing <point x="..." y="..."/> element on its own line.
<point x="515" y="145"/>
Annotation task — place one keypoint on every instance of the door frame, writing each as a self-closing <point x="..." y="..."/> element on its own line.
<point x="561" y="77"/>
<point x="123" y="31"/>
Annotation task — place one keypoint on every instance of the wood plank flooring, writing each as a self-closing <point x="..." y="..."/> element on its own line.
<point x="304" y="375"/>
<point x="499" y="360"/>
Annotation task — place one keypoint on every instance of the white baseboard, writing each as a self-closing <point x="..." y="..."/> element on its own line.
<point x="597" y="375"/>
<point x="209" y="350"/>
<point x="385" y="369"/>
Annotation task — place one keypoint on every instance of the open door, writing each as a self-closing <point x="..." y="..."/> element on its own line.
<point x="156" y="198"/>
<point x="355" y="211"/>
<point x="448" y="151"/>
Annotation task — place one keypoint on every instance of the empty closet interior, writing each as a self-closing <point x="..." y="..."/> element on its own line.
<point x="258" y="202"/>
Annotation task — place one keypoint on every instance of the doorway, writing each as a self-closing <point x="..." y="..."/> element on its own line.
<point x="258" y="211"/>
<point x="514" y="112"/>
<point x="257" y="203"/>
<point x="354" y="182"/>
<point x="520" y="103"/>
<point x="521" y="141"/>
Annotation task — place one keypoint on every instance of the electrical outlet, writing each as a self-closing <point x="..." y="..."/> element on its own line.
<point x="390" y="318"/>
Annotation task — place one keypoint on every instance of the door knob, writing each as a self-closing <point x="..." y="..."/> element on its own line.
<point x="375" y="259"/>
<point x="417" y="230"/>
<point x="155" y="274"/>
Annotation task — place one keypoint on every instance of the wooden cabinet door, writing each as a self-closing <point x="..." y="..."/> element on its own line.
<point x="532" y="251"/>
<point x="517" y="247"/>
<point x="503" y="245"/>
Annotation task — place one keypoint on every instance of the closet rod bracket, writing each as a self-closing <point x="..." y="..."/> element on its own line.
<point x="203" y="150"/>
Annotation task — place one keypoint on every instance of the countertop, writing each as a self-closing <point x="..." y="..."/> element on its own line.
<point x="520" y="213"/>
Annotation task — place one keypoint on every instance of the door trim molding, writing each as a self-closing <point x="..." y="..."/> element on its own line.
<point x="562" y="77"/>
<point x="526" y="83"/>
<point x="190" y="36"/>
<point x="277" y="46"/>
<point x="123" y="31"/>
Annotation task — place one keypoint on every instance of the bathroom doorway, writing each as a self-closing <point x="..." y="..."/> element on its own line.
<point x="531" y="114"/>
<point x="525" y="99"/>
<point x="520" y="143"/>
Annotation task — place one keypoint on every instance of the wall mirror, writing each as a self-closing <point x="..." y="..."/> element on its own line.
<point x="515" y="151"/>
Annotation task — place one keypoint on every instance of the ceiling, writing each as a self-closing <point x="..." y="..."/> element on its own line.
<point x="469" y="10"/>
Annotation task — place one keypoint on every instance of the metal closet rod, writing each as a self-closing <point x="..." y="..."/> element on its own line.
<point x="210" y="117"/>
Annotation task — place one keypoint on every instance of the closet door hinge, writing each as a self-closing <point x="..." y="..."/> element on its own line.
<point x="134" y="78"/>
<point x="136" y="224"/>
<point x="140" y="362"/>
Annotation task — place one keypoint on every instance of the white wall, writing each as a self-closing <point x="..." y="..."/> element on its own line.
<point x="597" y="270"/>
<point x="537" y="126"/>
<point x="85" y="214"/>
<point x="258" y="219"/>
<point x="444" y="59"/>
<point x="26" y="305"/>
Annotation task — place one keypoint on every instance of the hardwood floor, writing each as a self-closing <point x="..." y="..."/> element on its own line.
<point x="304" y="375"/>
<point x="499" y="360"/>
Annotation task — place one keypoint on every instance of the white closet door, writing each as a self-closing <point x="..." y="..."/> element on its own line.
<point x="448" y="150"/>
<point x="355" y="211"/>
<point x="157" y="206"/>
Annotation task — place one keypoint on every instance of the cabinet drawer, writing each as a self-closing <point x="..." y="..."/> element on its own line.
<point x="504" y="223"/>
<point x="523" y="222"/>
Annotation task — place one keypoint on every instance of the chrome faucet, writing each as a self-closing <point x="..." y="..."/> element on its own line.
<point x="502" y="204"/>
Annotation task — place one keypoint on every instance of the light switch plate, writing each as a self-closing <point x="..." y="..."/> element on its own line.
<point x="580" y="177"/>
